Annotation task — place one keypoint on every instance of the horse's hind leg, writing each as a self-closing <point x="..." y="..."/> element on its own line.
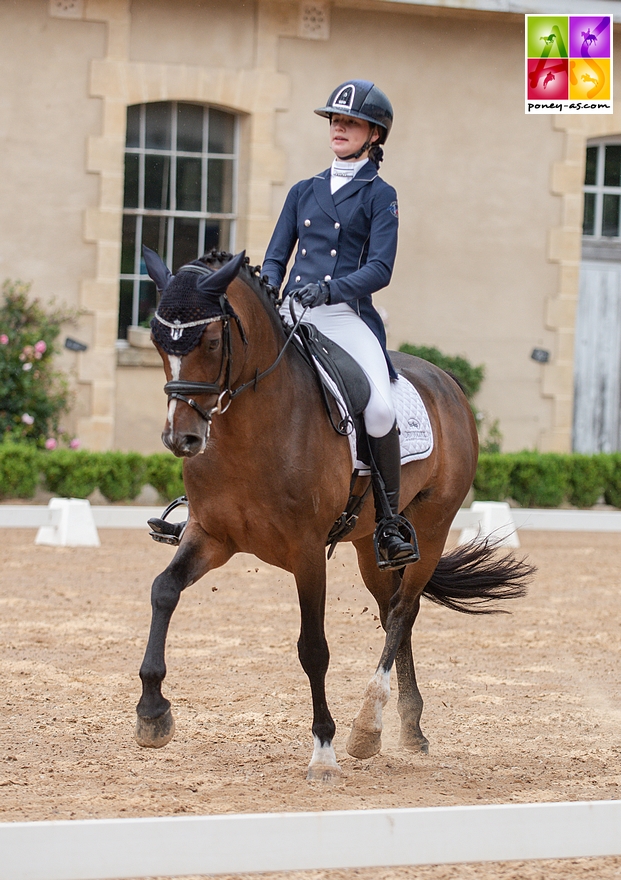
<point x="155" y="725"/>
<point x="410" y="702"/>
<point x="314" y="657"/>
<point x="398" y="605"/>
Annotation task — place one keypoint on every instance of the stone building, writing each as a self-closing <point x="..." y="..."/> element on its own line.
<point x="183" y="123"/>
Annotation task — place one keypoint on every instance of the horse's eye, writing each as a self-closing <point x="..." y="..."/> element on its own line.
<point x="213" y="345"/>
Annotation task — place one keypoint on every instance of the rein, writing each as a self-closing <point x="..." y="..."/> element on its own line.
<point x="179" y="389"/>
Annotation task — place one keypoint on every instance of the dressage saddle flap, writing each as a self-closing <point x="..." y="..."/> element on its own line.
<point x="345" y="372"/>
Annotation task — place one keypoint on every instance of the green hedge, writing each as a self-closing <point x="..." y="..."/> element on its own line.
<point x="75" y="474"/>
<point x="535" y="479"/>
<point x="531" y="479"/>
<point x="19" y="470"/>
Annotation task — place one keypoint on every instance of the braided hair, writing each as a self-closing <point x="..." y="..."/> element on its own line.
<point x="376" y="154"/>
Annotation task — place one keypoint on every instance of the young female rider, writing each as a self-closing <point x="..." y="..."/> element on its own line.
<point x="345" y="221"/>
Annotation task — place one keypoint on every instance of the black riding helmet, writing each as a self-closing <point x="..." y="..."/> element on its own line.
<point x="363" y="100"/>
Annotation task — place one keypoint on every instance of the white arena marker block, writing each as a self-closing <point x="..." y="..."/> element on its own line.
<point x="76" y="527"/>
<point x="495" y="521"/>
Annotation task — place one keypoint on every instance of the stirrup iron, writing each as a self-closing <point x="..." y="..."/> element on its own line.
<point x="407" y="533"/>
<point x="168" y="533"/>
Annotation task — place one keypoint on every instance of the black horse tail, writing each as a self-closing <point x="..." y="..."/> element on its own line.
<point x="474" y="575"/>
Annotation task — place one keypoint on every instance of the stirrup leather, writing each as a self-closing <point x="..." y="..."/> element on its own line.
<point x="407" y="533"/>
<point x="167" y="532"/>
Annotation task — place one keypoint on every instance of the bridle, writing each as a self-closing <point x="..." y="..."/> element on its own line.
<point x="180" y="389"/>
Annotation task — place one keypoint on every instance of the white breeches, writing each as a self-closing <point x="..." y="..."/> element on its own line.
<point x="342" y="325"/>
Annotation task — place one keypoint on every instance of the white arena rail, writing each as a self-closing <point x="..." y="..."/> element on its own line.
<point x="24" y="516"/>
<point x="101" y="849"/>
<point x="74" y="522"/>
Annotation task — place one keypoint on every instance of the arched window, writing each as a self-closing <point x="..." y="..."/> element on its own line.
<point x="180" y="176"/>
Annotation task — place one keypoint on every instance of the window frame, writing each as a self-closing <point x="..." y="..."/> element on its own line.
<point x="203" y="215"/>
<point x="599" y="190"/>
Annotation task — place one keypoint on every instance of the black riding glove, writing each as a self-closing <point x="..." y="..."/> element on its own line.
<point x="314" y="294"/>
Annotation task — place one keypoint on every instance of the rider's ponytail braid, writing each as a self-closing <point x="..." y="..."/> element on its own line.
<point x="376" y="154"/>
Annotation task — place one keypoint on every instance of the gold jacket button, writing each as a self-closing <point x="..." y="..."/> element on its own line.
<point x="337" y="225"/>
<point x="327" y="278"/>
<point x="307" y="223"/>
<point x="333" y="253"/>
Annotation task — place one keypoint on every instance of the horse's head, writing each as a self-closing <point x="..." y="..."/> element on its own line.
<point x="192" y="332"/>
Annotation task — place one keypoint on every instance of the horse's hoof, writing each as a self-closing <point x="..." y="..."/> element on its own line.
<point x="153" y="733"/>
<point x="363" y="743"/>
<point x="414" y="743"/>
<point x="319" y="773"/>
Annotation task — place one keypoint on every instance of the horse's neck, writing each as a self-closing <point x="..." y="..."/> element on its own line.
<point x="285" y="388"/>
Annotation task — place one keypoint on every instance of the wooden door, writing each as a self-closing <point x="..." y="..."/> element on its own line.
<point x="597" y="360"/>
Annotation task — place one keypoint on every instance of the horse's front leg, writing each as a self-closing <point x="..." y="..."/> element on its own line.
<point x="315" y="657"/>
<point x="155" y="725"/>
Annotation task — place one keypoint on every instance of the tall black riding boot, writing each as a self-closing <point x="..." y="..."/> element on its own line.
<point x="394" y="550"/>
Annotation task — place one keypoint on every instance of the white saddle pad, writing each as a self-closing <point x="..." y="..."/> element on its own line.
<point x="416" y="436"/>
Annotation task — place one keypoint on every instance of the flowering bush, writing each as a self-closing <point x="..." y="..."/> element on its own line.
<point x="33" y="396"/>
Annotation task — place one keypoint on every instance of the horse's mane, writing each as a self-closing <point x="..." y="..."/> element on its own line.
<point x="250" y="274"/>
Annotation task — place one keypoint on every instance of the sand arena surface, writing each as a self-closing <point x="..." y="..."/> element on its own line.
<point x="518" y="708"/>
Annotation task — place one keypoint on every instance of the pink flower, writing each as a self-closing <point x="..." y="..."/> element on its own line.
<point x="27" y="420"/>
<point x="51" y="443"/>
<point x="26" y="367"/>
<point x="75" y="443"/>
<point x="40" y="346"/>
<point x="4" y="339"/>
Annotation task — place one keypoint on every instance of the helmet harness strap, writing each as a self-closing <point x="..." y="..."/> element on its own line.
<point x="366" y="145"/>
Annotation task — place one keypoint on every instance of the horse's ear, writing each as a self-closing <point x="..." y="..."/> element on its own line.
<point x="220" y="280"/>
<point x="156" y="267"/>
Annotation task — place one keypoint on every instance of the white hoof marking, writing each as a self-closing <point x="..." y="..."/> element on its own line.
<point x="376" y="696"/>
<point x="324" y="758"/>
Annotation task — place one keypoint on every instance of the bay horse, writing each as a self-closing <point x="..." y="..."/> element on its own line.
<point x="266" y="474"/>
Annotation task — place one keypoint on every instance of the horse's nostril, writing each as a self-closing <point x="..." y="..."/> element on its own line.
<point x="191" y="444"/>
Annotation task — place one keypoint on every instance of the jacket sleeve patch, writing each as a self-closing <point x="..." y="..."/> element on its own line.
<point x="393" y="207"/>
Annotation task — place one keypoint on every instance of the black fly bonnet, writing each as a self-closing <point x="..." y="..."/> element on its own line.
<point x="191" y="299"/>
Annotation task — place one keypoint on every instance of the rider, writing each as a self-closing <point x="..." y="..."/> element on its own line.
<point x="344" y="222"/>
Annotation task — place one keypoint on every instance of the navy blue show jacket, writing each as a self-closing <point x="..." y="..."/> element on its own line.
<point x="348" y="239"/>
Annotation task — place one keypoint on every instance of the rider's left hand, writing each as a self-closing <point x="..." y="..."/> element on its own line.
<point x="314" y="294"/>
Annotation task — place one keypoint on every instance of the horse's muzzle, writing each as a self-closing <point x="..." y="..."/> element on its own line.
<point x="184" y="445"/>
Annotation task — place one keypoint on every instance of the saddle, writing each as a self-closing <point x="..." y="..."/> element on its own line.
<point x="338" y="372"/>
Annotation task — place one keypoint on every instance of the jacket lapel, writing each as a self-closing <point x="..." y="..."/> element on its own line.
<point x="321" y="189"/>
<point x="366" y="174"/>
